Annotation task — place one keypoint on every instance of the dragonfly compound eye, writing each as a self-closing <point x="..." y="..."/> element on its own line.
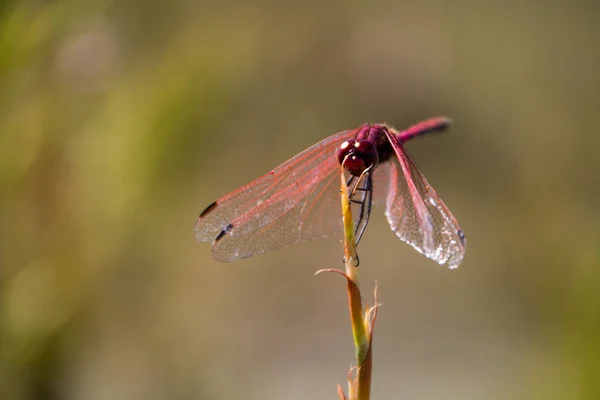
<point x="357" y="155"/>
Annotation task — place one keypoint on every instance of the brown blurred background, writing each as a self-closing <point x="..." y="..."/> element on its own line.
<point x="120" y="121"/>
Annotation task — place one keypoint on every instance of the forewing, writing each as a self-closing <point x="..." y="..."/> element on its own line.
<point x="222" y="212"/>
<point x="308" y="210"/>
<point x="417" y="215"/>
<point x="295" y="202"/>
<point x="381" y="183"/>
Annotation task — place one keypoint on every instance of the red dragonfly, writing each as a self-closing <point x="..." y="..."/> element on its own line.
<point x="299" y="200"/>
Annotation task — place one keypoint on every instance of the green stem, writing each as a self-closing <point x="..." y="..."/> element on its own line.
<point x="357" y="315"/>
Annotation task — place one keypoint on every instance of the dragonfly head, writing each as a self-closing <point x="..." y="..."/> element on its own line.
<point x="357" y="155"/>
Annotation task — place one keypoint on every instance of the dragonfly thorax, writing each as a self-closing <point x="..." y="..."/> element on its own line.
<point x="357" y="155"/>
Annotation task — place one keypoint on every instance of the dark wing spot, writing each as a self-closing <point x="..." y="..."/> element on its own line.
<point x="208" y="209"/>
<point x="224" y="232"/>
<point x="461" y="236"/>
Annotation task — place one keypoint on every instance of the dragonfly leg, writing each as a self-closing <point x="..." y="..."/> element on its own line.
<point x="351" y="184"/>
<point x="364" y="185"/>
<point x="353" y="188"/>
<point x="365" y="206"/>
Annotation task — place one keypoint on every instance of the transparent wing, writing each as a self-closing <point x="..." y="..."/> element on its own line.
<point x="416" y="213"/>
<point x="381" y="183"/>
<point x="310" y="211"/>
<point x="295" y="202"/>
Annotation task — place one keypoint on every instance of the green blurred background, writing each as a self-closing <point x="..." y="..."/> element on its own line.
<point x="120" y="121"/>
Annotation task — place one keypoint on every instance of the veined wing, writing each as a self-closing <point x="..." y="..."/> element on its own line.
<point x="294" y="192"/>
<point x="416" y="213"/>
<point x="308" y="211"/>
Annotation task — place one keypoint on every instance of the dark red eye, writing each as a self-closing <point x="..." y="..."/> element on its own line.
<point x="357" y="155"/>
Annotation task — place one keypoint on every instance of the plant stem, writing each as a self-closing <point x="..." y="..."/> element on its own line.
<point x="362" y="339"/>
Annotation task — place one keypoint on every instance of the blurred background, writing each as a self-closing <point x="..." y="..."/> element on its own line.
<point x="120" y="121"/>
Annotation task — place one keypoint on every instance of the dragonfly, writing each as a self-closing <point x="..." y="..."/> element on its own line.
<point x="299" y="200"/>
